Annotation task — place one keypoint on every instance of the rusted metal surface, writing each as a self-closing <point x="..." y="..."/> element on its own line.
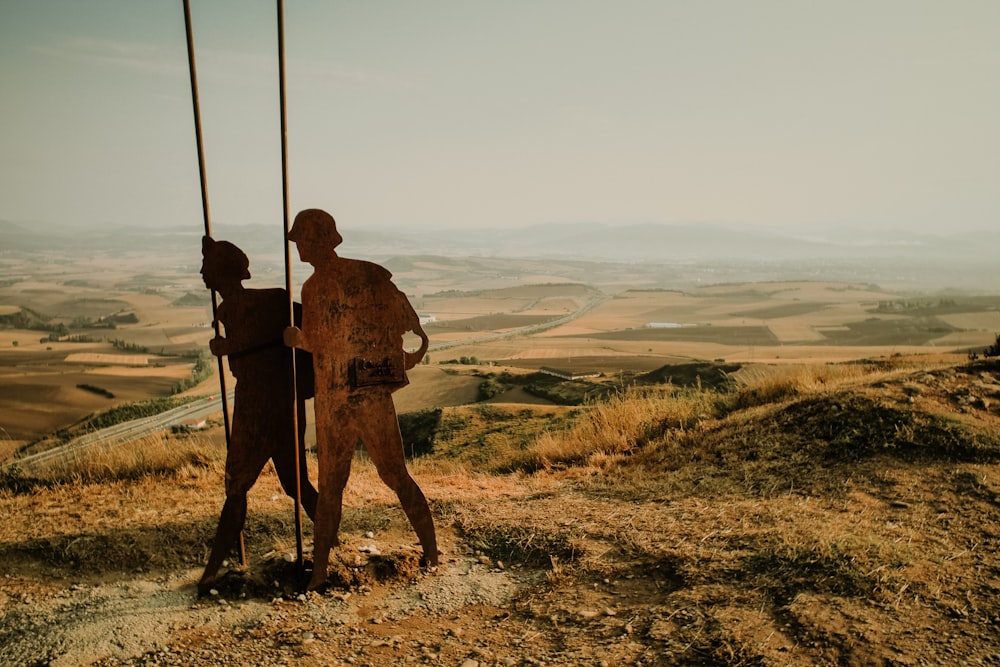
<point x="264" y="423"/>
<point x="353" y="322"/>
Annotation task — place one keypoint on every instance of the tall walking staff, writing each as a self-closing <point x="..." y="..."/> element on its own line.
<point x="288" y="276"/>
<point x="208" y="227"/>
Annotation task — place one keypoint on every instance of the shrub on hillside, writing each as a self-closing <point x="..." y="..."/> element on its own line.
<point x="994" y="349"/>
<point x="101" y="391"/>
<point x="491" y="387"/>
<point x="418" y="430"/>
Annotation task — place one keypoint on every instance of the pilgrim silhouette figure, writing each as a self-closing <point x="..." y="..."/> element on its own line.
<point x="262" y="423"/>
<point x="353" y="322"/>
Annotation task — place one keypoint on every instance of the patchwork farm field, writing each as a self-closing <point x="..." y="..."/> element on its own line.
<point x="79" y="335"/>
<point x="768" y="322"/>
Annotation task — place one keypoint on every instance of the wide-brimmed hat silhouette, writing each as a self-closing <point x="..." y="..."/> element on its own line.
<point x="225" y="256"/>
<point x="317" y="224"/>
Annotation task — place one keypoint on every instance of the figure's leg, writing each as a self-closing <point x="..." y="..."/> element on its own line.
<point x="231" y="520"/>
<point x="385" y="448"/>
<point x="243" y="466"/>
<point x="284" y="465"/>
<point x="334" y="469"/>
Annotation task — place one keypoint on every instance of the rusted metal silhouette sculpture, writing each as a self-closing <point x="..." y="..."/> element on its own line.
<point x="263" y="426"/>
<point x="353" y="322"/>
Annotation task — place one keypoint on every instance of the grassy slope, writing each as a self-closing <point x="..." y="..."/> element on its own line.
<point x="837" y="514"/>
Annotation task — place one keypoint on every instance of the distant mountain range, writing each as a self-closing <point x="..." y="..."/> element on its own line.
<point x="585" y="241"/>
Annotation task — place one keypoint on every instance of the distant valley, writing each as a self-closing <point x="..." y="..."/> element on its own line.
<point x="650" y="254"/>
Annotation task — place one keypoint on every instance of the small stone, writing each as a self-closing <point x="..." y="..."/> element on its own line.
<point x="369" y="535"/>
<point x="485" y="560"/>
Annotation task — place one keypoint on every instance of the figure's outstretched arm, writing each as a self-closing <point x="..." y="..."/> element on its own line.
<point x="410" y="321"/>
<point x="411" y="359"/>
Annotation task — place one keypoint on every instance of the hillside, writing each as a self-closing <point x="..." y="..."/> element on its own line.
<point x="828" y="514"/>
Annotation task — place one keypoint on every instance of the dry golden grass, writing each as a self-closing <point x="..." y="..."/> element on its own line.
<point x="151" y="456"/>
<point x="759" y="384"/>
<point x="609" y="430"/>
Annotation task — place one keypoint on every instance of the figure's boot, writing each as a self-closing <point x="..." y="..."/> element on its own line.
<point x="325" y="528"/>
<point x="231" y="519"/>
<point x="419" y="513"/>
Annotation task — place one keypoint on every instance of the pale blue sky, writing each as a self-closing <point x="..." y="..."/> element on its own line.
<point x="872" y="113"/>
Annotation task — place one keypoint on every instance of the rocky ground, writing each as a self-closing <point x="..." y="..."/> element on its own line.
<point x="158" y="619"/>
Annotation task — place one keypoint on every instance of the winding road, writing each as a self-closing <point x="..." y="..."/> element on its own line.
<point x="119" y="434"/>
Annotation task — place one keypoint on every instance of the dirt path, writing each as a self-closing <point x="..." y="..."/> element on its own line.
<point x="158" y="620"/>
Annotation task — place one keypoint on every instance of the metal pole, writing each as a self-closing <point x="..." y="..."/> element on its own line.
<point x="208" y="227"/>
<point x="288" y="277"/>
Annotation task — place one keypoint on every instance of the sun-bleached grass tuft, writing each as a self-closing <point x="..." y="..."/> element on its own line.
<point x="612" y="429"/>
<point x="153" y="455"/>
<point x="609" y="431"/>
<point x="760" y="385"/>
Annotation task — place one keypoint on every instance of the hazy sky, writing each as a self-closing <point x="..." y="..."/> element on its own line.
<point x="484" y="113"/>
